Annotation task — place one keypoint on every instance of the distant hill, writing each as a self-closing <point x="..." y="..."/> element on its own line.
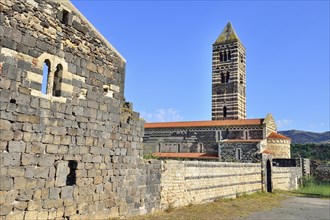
<point x="303" y="137"/>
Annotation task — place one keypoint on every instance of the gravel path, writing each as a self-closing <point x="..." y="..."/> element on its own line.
<point x="302" y="208"/>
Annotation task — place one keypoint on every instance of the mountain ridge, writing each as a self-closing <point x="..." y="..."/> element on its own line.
<point x="304" y="137"/>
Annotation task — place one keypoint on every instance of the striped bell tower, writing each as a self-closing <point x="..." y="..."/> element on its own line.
<point x="228" y="76"/>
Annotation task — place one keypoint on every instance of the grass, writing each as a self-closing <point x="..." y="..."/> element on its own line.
<point x="220" y="209"/>
<point x="316" y="188"/>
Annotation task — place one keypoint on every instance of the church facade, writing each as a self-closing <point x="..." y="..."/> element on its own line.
<point x="229" y="135"/>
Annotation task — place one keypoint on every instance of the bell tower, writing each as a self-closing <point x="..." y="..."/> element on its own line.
<point x="228" y="76"/>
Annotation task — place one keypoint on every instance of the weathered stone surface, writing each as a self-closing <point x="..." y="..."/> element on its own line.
<point x="61" y="173"/>
<point x="16" y="146"/>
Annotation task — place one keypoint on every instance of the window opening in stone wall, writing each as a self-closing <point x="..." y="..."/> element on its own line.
<point x="227" y="77"/>
<point x="229" y="55"/>
<point x="224" y="111"/>
<point x="179" y="148"/>
<point x="222" y="78"/>
<point x="45" y="76"/>
<point x="221" y="57"/>
<point x="240" y="79"/>
<point x="57" y="80"/>
<point x="71" y="177"/>
<point x="65" y="17"/>
<point x="238" y="154"/>
<point x="225" y="56"/>
<point x="159" y="148"/>
<point x="246" y="135"/>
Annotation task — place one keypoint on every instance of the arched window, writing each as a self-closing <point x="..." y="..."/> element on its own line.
<point x="229" y="55"/>
<point x="45" y="76"/>
<point x="224" y="111"/>
<point x="221" y="57"/>
<point x="225" y="58"/>
<point x="57" y="80"/>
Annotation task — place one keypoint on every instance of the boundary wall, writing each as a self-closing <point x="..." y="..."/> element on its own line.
<point x="193" y="182"/>
<point x="286" y="178"/>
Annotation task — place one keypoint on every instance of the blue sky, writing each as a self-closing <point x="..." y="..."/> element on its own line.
<point x="168" y="44"/>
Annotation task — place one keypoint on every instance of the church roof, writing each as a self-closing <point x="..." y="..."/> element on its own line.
<point x="187" y="155"/>
<point x="213" y="123"/>
<point x="274" y="135"/>
<point x="242" y="141"/>
<point x="228" y="34"/>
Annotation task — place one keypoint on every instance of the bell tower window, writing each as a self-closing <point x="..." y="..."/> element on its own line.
<point x="57" y="80"/>
<point x="45" y="76"/>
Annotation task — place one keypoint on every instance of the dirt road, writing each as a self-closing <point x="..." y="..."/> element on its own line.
<point x="302" y="208"/>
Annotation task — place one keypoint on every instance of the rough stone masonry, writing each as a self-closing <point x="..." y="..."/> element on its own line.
<point x="71" y="146"/>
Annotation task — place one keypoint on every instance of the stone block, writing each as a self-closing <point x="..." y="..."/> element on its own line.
<point x="51" y="149"/>
<point x="6" y="135"/>
<point x="28" y="40"/>
<point x="6" y="183"/>
<point x="67" y="192"/>
<point x="18" y="135"/>
<point x="46" y="160"/>
<point x="5" y="209"/>
<point x="16" y="215"/>
<point x="5" y="125"/>
<point x="21" y="205"/>
<point x="29" y="159"/>
<point x="29" y="172"/>
<point x="15" y="171"/>
<point x="31" y="215"/>
<point x="41" y="172"/>
<point x="54" y="193"/>
<point x="16" y="146"/>
<point x="61" y="173"/>
<point x="25" y="195"/>
<point x="38" y="147"/>
<point x="19" y="182"/>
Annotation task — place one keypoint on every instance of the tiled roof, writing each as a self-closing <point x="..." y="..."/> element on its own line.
<point x="267" y="152"/>
<point x="274" y="135"/>
<point x="243" y="141"/>
<point x="187" y="155"/>
<point x="214" y="123"/>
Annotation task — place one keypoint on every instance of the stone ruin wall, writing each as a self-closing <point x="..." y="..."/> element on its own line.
<point x="76" y="151"/>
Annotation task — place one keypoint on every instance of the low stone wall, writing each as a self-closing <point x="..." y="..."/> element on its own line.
<point x="191" y="182"/>
<point x="286" y="178"/>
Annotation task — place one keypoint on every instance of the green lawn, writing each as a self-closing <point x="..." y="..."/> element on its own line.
<point x="315" y="188"/>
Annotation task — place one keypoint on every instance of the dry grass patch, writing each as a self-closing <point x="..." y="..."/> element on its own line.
<point x="221" y="209"/>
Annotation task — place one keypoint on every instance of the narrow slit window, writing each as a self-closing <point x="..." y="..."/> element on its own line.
<point x="57" y="80"/>
<point x="225" y="56"/>
<point x="45" y="76"/>
<point x="71" y="177"/>
<point x="221" y="57"/>
<point x="229" y="55"/>
<point x="225" y="111"/>
<point x="238" y="154"/>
